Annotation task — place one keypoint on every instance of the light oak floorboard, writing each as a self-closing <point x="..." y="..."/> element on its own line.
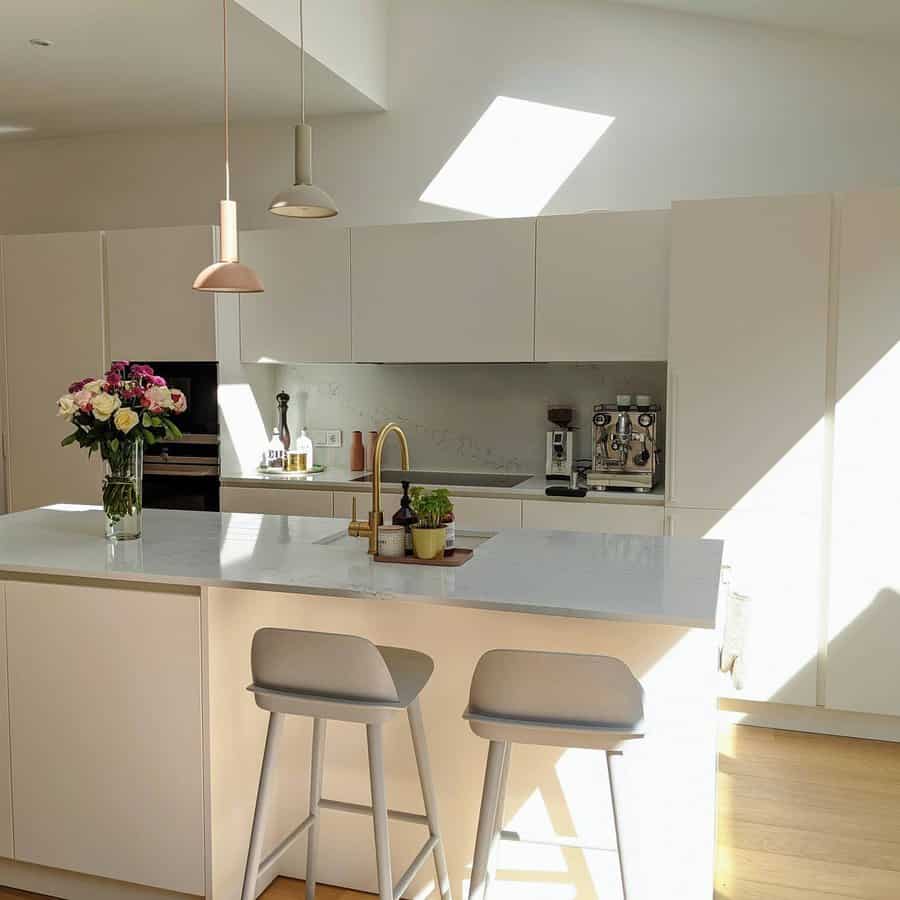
<point x="801" y="817"/>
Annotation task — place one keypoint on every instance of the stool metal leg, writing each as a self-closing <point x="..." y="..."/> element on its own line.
<point x="615" y="764"/>
<point x="379" y="810"/>
<point x="263" y="795"/>
<point x="487" y="818"/>
<point x="315" y="795"/>
<point x="498" y="818"/>
<point x="417" y="730"/>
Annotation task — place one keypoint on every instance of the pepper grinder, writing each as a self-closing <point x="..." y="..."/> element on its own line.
<point x="357" y="453"/>
<point x="370" y="451"/>
<point x="282" y="399"/>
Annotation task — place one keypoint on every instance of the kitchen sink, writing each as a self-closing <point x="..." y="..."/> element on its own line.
<point x="449" y="479"/>
<point x="465" y="540"/>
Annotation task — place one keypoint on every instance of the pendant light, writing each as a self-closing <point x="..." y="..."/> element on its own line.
<point x="228" y="275"/>
<point x="303" y="200"/>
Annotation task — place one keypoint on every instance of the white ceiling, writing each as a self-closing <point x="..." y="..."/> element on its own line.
<point x="123" y="64"/>
<point x="869" y="19"/>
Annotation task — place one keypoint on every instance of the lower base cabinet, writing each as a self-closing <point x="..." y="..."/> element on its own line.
<point x="603" y="518"/>
<point x="276" y="501"/>
<point x="106" y="722"/>
<point x="775" y="561"/>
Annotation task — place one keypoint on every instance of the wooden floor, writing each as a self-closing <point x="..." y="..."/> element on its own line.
<point x="801" y="817"/>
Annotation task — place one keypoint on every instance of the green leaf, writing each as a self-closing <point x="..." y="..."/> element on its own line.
<point x="145" y="420"/>
<point x="70" y="439"/>
<point x="114" y="444"/>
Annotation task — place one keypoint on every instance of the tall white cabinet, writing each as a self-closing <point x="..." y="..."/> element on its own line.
<point x="863" y="665"/>
<point x="601" y="286"/>
<point x="444" y="292"/>
<point x="154" y="313"/>
<point x="304" y="314"/>
<point x="53" y="299"/>
<point x="749" y="294"/>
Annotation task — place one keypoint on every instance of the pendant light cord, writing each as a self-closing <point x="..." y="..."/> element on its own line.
<point x="225" y="85"/>
<point x="302" y="80"/>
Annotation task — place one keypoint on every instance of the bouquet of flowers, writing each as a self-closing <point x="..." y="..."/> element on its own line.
<point x="116" y="414"/>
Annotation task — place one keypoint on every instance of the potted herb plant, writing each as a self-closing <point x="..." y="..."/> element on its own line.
<point x="429" y="535"/>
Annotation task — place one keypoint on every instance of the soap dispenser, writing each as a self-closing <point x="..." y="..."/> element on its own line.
<point x="305" y="445"/>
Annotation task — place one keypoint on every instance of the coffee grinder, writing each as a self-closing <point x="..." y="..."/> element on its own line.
<point x="560" y="444"/>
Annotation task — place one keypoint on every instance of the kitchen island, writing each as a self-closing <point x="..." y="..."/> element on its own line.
<point x="133" y="750"/>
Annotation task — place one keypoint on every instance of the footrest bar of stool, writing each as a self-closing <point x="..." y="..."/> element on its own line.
<point x="553" y="840"/>
<point x="414" y="867"/>
<point x="284" y="844"/>
<point x="361" y="809"/>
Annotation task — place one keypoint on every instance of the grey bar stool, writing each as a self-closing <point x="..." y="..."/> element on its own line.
<point x="555" y="699"/>
<point x="348" y="679"/>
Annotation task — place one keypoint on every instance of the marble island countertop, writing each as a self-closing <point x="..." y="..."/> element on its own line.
<point x="653" y="580"/>
<point x="532" y="488"/>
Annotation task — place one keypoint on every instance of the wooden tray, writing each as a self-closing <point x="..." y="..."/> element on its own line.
<point x="457" y="558"/>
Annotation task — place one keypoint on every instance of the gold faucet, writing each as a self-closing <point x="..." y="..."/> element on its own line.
<point x="376" y="517"/>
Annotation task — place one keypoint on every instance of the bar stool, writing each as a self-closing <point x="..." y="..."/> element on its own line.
<point x="347" y="679"/>
<point x="554" y="699"/>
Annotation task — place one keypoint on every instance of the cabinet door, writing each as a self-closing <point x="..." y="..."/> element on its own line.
<point x="444" y="292"/>
<point x="601" y="286"/>
<point x="53" y="292"/>
<point x="747" y="352"/>
<point x="863" y="669"/>
<point x="775" y="560"/>
<point x="603" y="518"/>
<point x="154" y="312"/>
<point x="105" y="711"/>
<point x="6" y="828"/>
<point x="276" y="501"/>
<point x="304" y="314"/>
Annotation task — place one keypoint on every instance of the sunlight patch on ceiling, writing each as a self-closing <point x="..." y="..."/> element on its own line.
<point x="515" y="158"/>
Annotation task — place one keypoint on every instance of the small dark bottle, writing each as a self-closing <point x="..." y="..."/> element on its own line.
<point x="283" y="431"/>
<point x="405" y="516"/>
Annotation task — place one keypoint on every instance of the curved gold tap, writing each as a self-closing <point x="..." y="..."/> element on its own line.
<point x="376" y="517"/>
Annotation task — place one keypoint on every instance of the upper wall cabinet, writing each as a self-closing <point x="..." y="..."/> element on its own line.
<point x="154" y="313"/>
<point x="748" y="322"/>
<point x="444" y="292"/>
<point x="53" y="295"/>
<point x="304" y="314"/>
<point x="602" y="283"/>
<point x="863" y="666"/>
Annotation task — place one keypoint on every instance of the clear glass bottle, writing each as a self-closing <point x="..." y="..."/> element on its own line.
<point x="305" y="445"/>
<point x="275" y="453"/>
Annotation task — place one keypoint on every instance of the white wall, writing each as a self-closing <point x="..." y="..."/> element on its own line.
<point x="702" y="107"/>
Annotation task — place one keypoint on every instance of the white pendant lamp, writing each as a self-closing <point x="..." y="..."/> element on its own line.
<point x="303" y="200"/>
<point x="228" y="275"/>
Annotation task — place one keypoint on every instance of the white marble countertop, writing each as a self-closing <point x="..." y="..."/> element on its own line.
<point x="338" y="479"/>
<point x="654" y="580"/>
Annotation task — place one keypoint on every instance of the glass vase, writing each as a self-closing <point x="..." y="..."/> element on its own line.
<point x="122" y="488"/>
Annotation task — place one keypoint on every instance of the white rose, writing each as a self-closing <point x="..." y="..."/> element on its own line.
<point x="66" y="406"/>
<point x="125" y="420"/>
<point x="104" y="406"/>
<point x="94" y="387"/>
<point x="161" y="397"/>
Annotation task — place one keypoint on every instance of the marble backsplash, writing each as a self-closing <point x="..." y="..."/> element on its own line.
<point x="460" y="417"/>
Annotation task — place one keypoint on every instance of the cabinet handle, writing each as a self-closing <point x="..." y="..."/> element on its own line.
<point x="672" y="419"/>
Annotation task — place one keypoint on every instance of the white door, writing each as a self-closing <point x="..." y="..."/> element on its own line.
<point x="106" y="722"/>
<point x="747" y="352"/>
<point x="154" y="312"/>
<point x="304" y="313"/>
<point x="444" y="292"/>
<point x="863" y="668"/>
<point x="601" y="286"/>
<point x="775" y="561"/>
<point x="53" y="291"/>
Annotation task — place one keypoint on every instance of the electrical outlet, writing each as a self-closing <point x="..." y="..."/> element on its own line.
<point x="322" y="438"/>
<point x="333" y="438"/>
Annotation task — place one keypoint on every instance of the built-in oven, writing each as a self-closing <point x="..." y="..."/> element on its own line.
<point x="184" y="474"/>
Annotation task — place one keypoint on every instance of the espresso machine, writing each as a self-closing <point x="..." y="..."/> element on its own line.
<point x="625" y="453"/>
<point x="560" y="444"/>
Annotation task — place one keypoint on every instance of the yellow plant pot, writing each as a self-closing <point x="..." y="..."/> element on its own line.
<point x="428" y="543"/>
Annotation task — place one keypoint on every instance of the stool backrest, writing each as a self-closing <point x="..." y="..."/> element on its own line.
<point x="556" y="687"/>
<point x="342" y="666"/>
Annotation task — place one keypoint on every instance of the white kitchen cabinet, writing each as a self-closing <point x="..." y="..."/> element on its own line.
<point x="53" y="299"/>
<point x="154" y="312"/>
<point x="775" y="561"/>
<point x="304" y="314"/>
<point x="601" y="518"/>
<point x="6" y="824"/>
<point x="472" y="513"/>
<point x="601" y="286"/>
<point x="444" y="292"/>
<point x="276" y="501"/>
<point x="748" y="321"/>
<point x="863" y="666"/>
<point x="107" y="770"/>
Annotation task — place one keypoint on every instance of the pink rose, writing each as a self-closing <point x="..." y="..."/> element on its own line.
<point x="84" y="400"/>
<point x="179" y="402"/>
